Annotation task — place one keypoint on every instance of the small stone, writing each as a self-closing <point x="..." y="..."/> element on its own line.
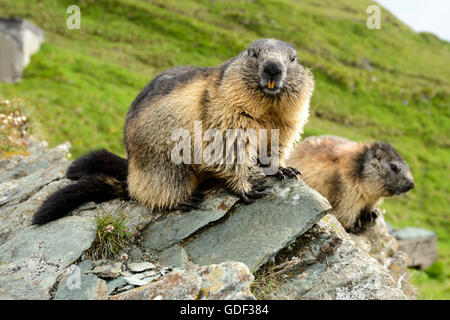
<point x="140" y="266"/>
<point x="136" y="280"/>
<point x="115" y="284"/>
<point x="108" y="270"/>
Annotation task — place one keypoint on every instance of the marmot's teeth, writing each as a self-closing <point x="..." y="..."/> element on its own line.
<point x="270" y="84"/>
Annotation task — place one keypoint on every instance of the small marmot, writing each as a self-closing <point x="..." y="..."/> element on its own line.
<point x="353" y="176"/>
<point x="264" y="87"/>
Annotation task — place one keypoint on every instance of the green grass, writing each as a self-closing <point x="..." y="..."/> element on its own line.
<point x="80" y="84"/>
<point x="111" y="237"/>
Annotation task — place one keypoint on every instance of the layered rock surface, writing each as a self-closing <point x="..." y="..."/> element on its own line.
<point x="224" y="245"/>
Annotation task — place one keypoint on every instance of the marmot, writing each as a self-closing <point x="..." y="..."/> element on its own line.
<point x="264" y="87"/>
<point x="353" y="176"/>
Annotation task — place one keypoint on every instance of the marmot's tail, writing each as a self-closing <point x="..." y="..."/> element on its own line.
<point x="99" y="162"/>
<point x="100" y="175"/>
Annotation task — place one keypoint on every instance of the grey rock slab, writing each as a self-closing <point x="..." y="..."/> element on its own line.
<point x="20" y="166"/>
<point x="419" y="244"/>
<point x="175" y="256"/>
<point x="28" y="278"/>
<point x="331" y="267"/>
<point x="16" y="191"/>
<point x="254" y="234"/>
<point x="79" y="286"/>
<point x="16" y="218"/>
<point x="413" y="233"/>
<point x="136" y="216"/>
<point x="61" y="241"/>
<point x="176" y="226"/>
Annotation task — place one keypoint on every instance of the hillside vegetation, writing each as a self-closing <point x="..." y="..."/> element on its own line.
<point x="391" y="84"/>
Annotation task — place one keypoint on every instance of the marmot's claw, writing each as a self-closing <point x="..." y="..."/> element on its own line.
<point x="297" y="172"/>
<point x="252" y="195"/>
<point x="289" y="172"/>
<point x="258" y="185"/>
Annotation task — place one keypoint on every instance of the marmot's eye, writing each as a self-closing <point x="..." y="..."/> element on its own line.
<point x="394" y="168"/>
<point x="293" y="58"/>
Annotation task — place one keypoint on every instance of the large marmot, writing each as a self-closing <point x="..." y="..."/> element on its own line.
<point x="353" y="176"/>
<point x="264" y="87"/>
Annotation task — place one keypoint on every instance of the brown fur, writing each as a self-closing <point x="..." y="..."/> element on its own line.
<point x="221" y="99"/>
<point x="349" y="175"/>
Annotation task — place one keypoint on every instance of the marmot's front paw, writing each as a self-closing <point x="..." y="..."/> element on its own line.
<point x="365" y="219"/>
<point x="289" y="172"/>
<point x="255" y="193"/>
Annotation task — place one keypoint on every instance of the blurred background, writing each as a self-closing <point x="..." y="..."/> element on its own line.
<point x="387" y="82"/>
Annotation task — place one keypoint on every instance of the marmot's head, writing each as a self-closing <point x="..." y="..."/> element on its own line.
<point x="385" y="166"/>
<point x="271" y="67"/>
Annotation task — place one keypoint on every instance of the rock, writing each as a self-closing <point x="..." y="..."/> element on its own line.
<point x="176" y="226"/>
<point x="17" y="218"/>
<point x="139" y="267"/>
<point x="253" y="234"/>
<point x="136" y="216"/>
<point x="108" y="270"/>
<point x="175" y="256"/>
<point x="376" y="240"/>
<point x="20" y="39"/>
<point x="79" y="286"/>
<point x="39" y="254"/>
<point x="85" y="265"/>
<point x="39" y="158"/>
<point x="28" y="278"/>
<point x="116" y="284"/>
<point x="227" y="281"/>
<point x="13" y="192"/>
<point x="282" y="233"/>
<point x="61" y="241"/>
<point x="142" y="279"/>
<point x="328" y="265"/>
<point x="398" y="269"/>
<point x="419" y="244"/>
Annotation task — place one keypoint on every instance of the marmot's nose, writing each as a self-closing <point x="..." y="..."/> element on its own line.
<point x="272" y="68"/>
<point x="410" y="185"/>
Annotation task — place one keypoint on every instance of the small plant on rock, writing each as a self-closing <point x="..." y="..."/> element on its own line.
<point x="14" y="128"/>
<point x="111" y="238"/>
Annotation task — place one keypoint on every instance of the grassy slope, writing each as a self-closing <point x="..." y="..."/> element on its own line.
<point x="80" y="84"/>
